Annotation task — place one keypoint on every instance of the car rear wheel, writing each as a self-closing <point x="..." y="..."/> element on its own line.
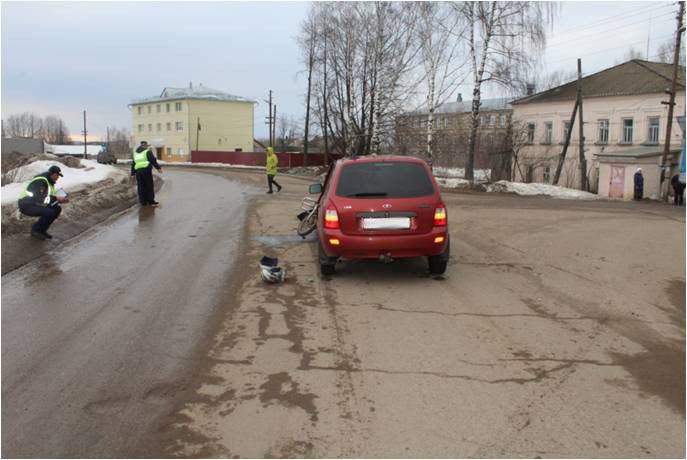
<point x="437" y="264"/>
<point x="327" y="264"/>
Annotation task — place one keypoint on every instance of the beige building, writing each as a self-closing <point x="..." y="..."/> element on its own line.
<point x="624" y="128"/>
<point x="181" y="120"/>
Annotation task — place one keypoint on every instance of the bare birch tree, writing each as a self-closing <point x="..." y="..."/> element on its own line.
<point x="504" y="40"/>
<point x="437" y="33"/>
<point x="362" y="58"/>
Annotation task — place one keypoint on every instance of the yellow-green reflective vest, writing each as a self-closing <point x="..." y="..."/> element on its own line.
<point x="51" y="190"/>
<point x="141" y="160"/>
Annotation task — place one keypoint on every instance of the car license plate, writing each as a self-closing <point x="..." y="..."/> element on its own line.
<point x="386" y="223"/>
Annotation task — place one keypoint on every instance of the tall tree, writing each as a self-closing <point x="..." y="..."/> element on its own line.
<point x="505" y="39"/>
<point x="437" y="34"/>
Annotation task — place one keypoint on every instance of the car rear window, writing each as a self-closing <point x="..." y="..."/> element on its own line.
<point x="384" y="179"/>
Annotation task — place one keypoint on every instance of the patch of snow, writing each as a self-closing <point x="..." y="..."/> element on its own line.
<point x="553" y="191"/>
<point x="481" y="175"/>
<point x="452" y="182"/>
<point x="73" y="179"/>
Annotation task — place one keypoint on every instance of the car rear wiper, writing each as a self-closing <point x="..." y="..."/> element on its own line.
<point x="367" y="194"/>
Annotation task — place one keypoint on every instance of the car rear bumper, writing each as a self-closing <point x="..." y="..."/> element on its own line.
<point x="372" y="247"/>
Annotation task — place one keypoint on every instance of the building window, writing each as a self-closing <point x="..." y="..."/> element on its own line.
<point x="628" y="124"/>
<point x="140" y="109"/>
<point x="481" y="120"/>
<point x="148" y="109"/>
<point x="179" y="125"/>
<point x="547" y="174"/>
<point x="140" y="127"/>
<point x="566" y="130"/>
<point x="530" y="133"/>
<point x="150" y="127"/>
<point x="492" y="120"/>
<point x="653" y="130"/>
<point x="177" y="106"/>
<point x="159" y="127"/>
<point x="180" y="151"/>
<point x="219" y="141"/>
<point x="169" y="149"/>
<point x="169" y="126"/>
<point x="603" y="131"/>
<point x="157" y="108"/>
<point x="167" y="109"/>
<point x="502" y="120"/>
<point x="548" y="132"/>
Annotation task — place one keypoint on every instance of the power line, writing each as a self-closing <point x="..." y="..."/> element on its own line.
<point x="605" y="32"/>
<point x="626" y="15"/>
<point x="626" y="45"/>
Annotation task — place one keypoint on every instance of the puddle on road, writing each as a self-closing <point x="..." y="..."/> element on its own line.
<point x="280" y="240"/>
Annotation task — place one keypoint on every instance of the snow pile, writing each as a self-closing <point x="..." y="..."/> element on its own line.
<point x="73" y="179"/>
<point x="553" y="191"/>
<point x="481" y="175"/>
<point x="453" y="182"/>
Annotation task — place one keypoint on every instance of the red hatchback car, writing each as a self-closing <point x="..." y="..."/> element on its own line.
<point x="382" y="207"/>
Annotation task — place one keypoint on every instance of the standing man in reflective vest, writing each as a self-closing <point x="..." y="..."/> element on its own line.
<point x="142" y="167"/>
<point x="40" y="200"/>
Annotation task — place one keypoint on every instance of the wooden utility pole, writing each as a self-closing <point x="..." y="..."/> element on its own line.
<point x="671" y="102"/>
<point x="269" y="120"/>
<point x="197" y="132"/>
<point x="583" y="159"/>
<point x="274" y="125"/>
<point x="85" y="137"/>
<point x="561" y="159"/>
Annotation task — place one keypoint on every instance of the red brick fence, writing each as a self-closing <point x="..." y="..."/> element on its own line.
<point x="286" y="159"/>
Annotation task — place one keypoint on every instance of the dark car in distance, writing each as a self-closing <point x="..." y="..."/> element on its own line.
<point x="381" y="207"/>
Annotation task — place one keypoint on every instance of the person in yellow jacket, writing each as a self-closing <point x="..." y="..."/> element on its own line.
<point x="272" y="162"/>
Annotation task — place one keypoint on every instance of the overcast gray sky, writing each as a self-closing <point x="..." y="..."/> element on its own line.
<point x="63" y="57"/>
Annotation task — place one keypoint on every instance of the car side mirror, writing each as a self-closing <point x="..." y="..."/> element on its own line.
<point x="315" y="189"/>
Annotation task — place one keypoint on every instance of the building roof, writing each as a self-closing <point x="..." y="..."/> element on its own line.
<point x="486" y="105"/>
<point x="637" y="152"/>
<point x="629" y="78"/>
<point x="192" y="92"/>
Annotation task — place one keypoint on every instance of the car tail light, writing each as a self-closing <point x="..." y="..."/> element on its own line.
<point x="439" y="239"/>
<point x="440" y="216"/>
<point x="331" y="218"/>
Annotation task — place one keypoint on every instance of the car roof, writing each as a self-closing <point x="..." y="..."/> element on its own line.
<point x="382" y="158"/>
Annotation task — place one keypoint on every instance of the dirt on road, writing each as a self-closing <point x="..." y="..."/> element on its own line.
<point x="557" y="331"/>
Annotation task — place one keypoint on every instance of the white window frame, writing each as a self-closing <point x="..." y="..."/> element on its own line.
<point x="627" y="129"/>
<point x="531" y="130"/>
<point x="566" y="128"/>
<point x="150" y="127"/>
<point x="654" y="129"/>
<point x="179" y="126"/>
<point x="140" y="127"/>
<point x="178" y="107"/>
<point x="167" y="106"/>
<point x="603" y="130"/>
<point x="548" y="132"/>
<point x="140" y="110"/>
<point x="502" y="120"/>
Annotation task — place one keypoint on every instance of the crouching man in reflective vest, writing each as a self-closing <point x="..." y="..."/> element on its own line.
<point x="40" y="200"/>
<point x="142" y="165"/>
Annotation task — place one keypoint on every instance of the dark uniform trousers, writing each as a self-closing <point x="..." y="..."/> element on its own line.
<point x="146" y="187"/>
<point x="46" y="214"/>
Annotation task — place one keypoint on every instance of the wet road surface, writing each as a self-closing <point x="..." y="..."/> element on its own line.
<point x="100" y="335"/>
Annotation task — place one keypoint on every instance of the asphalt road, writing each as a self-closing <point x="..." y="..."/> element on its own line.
<point x="100" y="335"/>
